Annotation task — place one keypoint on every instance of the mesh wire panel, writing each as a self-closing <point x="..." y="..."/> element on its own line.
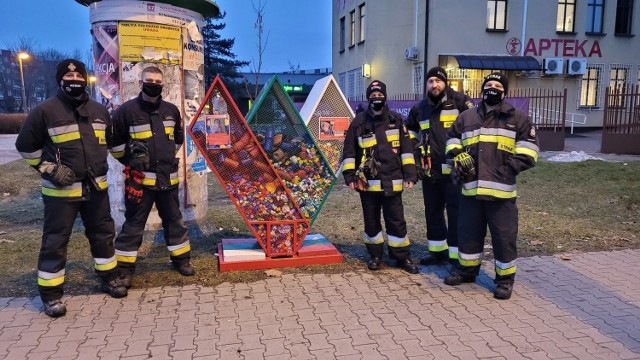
<point x="285" y="139"/>
<point x="234" y="155"/>
<point x="330" y="105"/>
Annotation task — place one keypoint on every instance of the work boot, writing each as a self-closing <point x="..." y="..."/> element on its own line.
<point x="54" y="308"/>
<point x="434" y="258"/>
<point x="126" y="280"/>
<point x="408" y="266"/>
<point x="503" y="291"/>
<point x="114" y="288"/>
<point x="374" y="263"/>
<point x="456" y="279"/>
<point x="185" y="269"/>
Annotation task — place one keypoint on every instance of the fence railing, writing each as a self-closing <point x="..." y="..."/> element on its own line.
<point x="622" y="111"/>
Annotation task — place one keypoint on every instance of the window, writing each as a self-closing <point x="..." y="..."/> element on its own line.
<point x="342" y="82"/>
<point x="342" y="34"/>
<point x="566" y="15"/>
<point x="595" y="14"/>
<point x="590" y="87"/>
<point x="361" y="11"/>
<point x="624" y="12"/>
<point x="619" y="81"/>
<point x="352" y="28"/>
<point x="418" y="84"/>
<point x="497" y="15"/>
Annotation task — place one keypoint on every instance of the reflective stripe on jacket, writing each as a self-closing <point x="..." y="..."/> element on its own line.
<point x="502" y="142"/>
<point x="389" y="140"/>
<point x="77" y="133"/>
<point x="160" y="127"/>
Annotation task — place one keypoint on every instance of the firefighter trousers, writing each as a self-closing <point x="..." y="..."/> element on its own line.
<point x="136" y="214"/>
<point x="502" y="218"/>
<point x="59" y="217"/>
<point x="438" y="195"/>
<point x="393" y="213"/>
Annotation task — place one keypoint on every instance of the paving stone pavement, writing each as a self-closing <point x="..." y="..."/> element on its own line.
<point x="587" y="307"/>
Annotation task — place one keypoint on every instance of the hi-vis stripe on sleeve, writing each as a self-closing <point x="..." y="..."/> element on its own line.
<point x="180" y="249"/>
<point x="118" y="151"/>
<point x="48" y="279"/>
<point x="408" y="159"/>
<point x="453" y="143"/>
<point x="413" y="134"/>
<point x="150" y="178"/>
<point x="377" y="239"/>
<point x="105" y="264"/>
<point x="140" y="132"/>
<point x="503" y="269"/>
<point x="349" y="164"/>
<point x="470" y="259"/>
<point x="32" y="158"/>
<point x="128" y="257"/>
<point x="527" y="148"/>
<point x="64" y="133"/>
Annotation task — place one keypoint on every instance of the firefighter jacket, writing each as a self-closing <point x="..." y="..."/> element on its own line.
<point x="386" y="138"/>
<point x="502" y="143"/>
<point x="159" y="125"/>
<point x="75" y="133"/>
<point x="428" y="124"/>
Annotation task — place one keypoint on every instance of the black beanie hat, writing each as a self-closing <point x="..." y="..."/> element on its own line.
<point x="68" y="65"/>
<point x="437" y="72"/>
<point x="377" y="85"/>
<point x="499" y="77"/>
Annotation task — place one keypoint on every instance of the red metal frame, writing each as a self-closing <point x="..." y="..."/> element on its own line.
<point x="269" y="181"/>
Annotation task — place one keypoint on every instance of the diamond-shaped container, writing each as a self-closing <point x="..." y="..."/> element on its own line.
<point x="327" y="114"/>
<point x="292" y="150"/>
<point x="234" y="155"/>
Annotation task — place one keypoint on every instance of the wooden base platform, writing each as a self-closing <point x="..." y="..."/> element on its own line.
<point x="246" y="254"/>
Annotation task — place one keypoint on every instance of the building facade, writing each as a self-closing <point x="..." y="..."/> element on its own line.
<point x="583" y="46"/>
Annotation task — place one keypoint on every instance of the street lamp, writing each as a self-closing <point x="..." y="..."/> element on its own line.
<point x="92" y="84"/>
<point x="23" y="56"/>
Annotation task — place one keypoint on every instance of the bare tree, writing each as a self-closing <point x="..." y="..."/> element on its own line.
<point x="294" y="68"/>
<point x="262" y="46"/>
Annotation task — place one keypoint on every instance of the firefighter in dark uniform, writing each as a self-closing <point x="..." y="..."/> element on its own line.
<point x="378" y="162"/>
<point x="147" y="135"/>
<point x="428" y="123"/>
<point x="66" y="138"/>
<point x="490" y="145"/>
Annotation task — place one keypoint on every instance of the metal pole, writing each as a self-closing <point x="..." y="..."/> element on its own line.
<point x="24" y="96"/>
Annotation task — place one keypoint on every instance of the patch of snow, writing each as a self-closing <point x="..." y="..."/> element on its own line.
<point x="574" y="156"/>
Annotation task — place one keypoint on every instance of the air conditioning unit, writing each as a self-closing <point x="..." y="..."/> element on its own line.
<point x="411" y="53"/>
<point x="553" y="66"/>
<point x="576" y="66"/>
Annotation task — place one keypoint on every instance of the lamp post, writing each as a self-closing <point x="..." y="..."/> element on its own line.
<point x="23" y="56"/>
<point x="92" y="84"/>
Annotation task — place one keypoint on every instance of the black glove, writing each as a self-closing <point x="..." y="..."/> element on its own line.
<point x="58" y="174"/>
<point x="139" y="155"/>
<point x="456" y="174"/>
<point x="133" y="189"/>
<point x="463" y="163"/>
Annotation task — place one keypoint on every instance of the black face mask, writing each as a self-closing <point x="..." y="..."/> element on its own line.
<point x="152" y="89"/>
<point x="74" y="88"/>
<point x="376" y="103"/>
<point x="492" y="96"/>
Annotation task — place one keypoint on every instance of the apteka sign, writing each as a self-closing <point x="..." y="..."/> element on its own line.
<point x="563" y="48"/>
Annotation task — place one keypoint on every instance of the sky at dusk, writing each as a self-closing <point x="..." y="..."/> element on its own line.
<point x="299" y="31"/>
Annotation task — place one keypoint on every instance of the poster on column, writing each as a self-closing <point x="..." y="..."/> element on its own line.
<point x="150" y="42"/>
<point x="105" y="58"/>
<point x="131" y="76"/>
<point x="193" y="73"/>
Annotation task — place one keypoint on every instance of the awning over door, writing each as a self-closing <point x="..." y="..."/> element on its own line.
<point x="495" y="62"/>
